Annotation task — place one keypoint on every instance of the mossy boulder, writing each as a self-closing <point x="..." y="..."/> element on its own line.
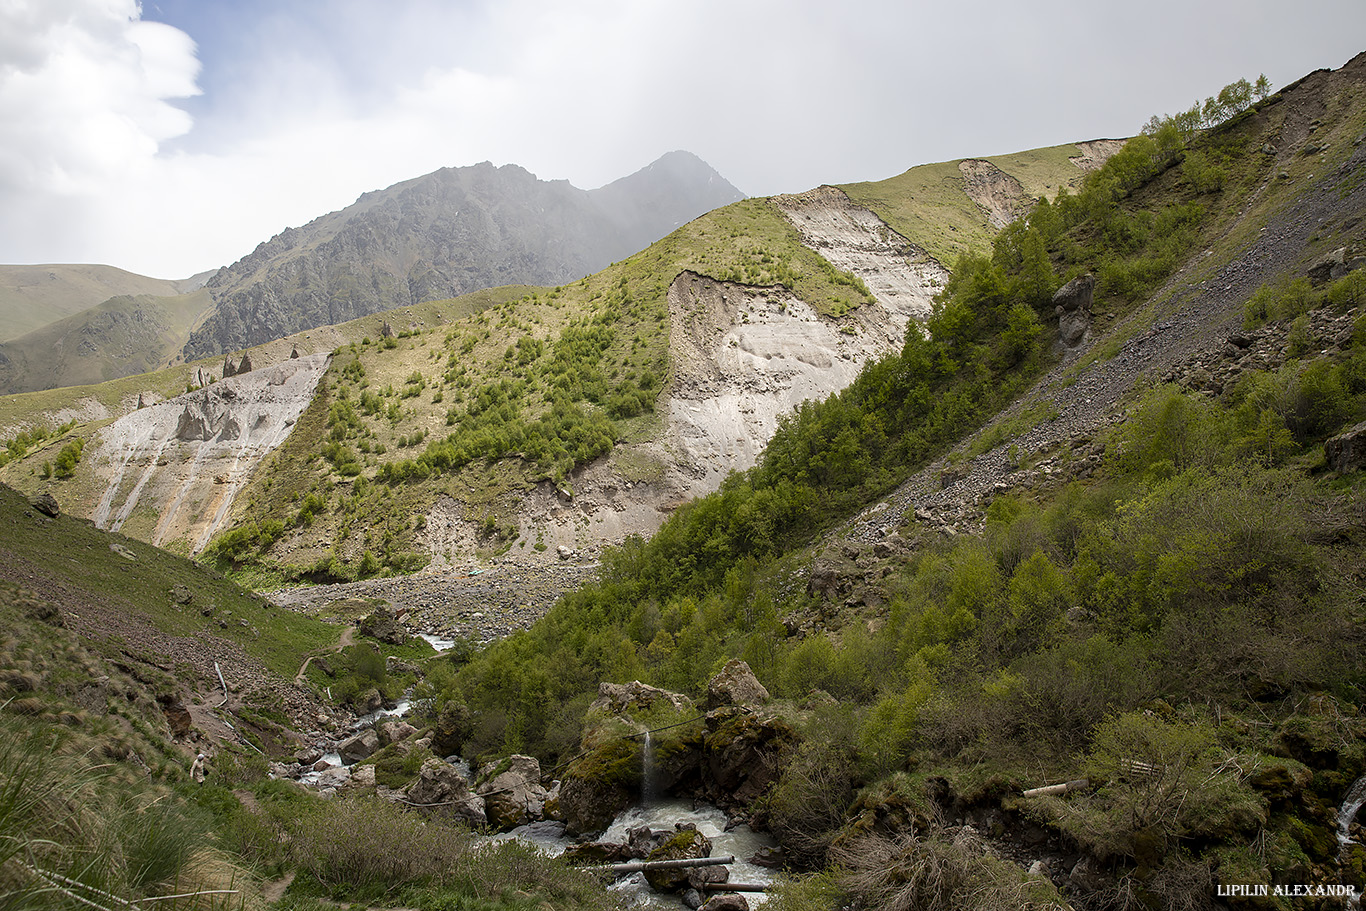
<point x="742" y="750"/>
<point x="599" y="786"/>
<point x="384" y="625"/>
<point x="635" y="698"/>
<point x="685" y="844"/>
<point x="512" y="792"/>
<point x="1281" y="781"/>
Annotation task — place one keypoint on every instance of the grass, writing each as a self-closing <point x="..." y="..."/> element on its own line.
<point x="129" y="334"/>
<point x="928" y="206"/>
<point x="1009" y="428"/>
<point x="73" y="557"/>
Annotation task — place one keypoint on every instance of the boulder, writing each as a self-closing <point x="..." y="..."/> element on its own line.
<point x="398" y="667"/>
<point x="46" y="504"/>
<point x="622" y="698"/>
<point x="1346" y="452"/>
<point x="735" y="684"/>
<point x="595" y="853"/>
<point x="441" y="790"/>
<point x="361" y="746"/>
<point x="514" y="796"/>
<point x="177" y="718"/>
<point x="363" y="776"/>
<point x="729" y="902"/>
<point x="598" y="786"/>
<point x="395" y="732"/>
<point x="684" y="844"/>
<point x="1072" y="304"/>
<point x="369" y="701"/>
<point x="1329" y="266"/>
<point x="382" y="624"/>
<point x="588" y="805"/>
<point x="742" y="750"/>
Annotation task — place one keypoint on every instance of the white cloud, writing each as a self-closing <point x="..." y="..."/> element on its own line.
<point x="84" y="92"/>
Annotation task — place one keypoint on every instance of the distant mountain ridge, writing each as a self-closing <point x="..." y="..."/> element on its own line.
<point x="445" y="234"/>
<point x="32" y="297"/>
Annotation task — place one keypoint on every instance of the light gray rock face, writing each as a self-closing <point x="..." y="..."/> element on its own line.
<point x="361" y="746"/>
<point x="514" y="797"/>
<point x="189" y="456"/>
<point x="735" y="684"/>
<point x="440" y="789"/>
<point x="1347" y="451"/>
<point x="1072" y="304"/>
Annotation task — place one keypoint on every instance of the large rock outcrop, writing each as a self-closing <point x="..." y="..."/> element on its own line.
<point x="513" y="795"/>
<point x="735" y="684"/>
<point x="1072" y="304"/>
<point x="1347" y="451"/>
<point x="441" y="790"/>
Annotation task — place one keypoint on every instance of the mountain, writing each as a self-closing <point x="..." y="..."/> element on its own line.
<point x="444" y="234"/>
<point x="1039" y="586"/>
<point x="33" y="296"/>
<point x="122" y="336"/>
<point x="693" y="349"/>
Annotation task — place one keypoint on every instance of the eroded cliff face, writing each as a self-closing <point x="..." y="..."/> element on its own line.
<point x="171" y="470"/>
<point x="902" y="276"/>
<point x="745" y="356"/>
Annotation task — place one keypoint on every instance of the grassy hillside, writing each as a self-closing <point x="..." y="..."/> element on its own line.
<point x="930" y="206"/>
<point x="1172" y="627"/>
<point x="97" y="804"/>
<point x="99" y="578"/>
<point x="122" y="336"/>
<point x="33" y="296"/>
<point x="483" y="407"/>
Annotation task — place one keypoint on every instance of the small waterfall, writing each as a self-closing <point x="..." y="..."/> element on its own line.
<point x="647" y="770"/>
<point x="1351" y="804"/>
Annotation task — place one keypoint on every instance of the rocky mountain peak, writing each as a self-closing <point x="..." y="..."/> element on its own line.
<point x="447" y="233"/>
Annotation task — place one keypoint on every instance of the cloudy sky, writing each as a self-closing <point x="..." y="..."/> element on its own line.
<point x="171" y="137"/>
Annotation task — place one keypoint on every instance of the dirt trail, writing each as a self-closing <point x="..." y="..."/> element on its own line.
<point x="348" y="637"/>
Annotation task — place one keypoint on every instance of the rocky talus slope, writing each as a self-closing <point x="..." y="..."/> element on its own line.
<point x="743" y="356"/>
<point x="1193" y="345"/>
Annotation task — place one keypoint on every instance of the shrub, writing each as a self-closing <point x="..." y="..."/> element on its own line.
<point x="941" y="870"/>
<point x="371" y="847"/>
<point x="1160" y="781"/>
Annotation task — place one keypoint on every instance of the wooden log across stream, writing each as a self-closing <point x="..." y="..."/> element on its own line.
<point x="640" y="865"/>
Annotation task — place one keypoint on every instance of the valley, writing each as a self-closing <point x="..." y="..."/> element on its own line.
<point x="988" y="536"/>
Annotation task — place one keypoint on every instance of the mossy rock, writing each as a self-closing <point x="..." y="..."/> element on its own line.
<point x="1281" y="781"/>
<point x="599" y="786"/>
<point x="686" y="843"/>
<point x="742" y="751"/>
<point x="892" y="805"/>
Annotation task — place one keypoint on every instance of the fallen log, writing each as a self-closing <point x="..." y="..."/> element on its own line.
<point x="1056" y="789"/>
<point x="641" y="865"/>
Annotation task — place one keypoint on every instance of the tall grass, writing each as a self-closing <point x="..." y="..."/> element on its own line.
<point x="79" y="834"/>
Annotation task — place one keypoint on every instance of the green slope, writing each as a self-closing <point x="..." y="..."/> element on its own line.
<point x="930" y="206"/>
<point x="122" y="336"/>
<point x="33" y="296"/>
